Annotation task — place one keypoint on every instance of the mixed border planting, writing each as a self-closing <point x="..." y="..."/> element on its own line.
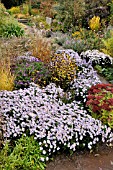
<point x="52" y="100"/>
<point x="57" y="119"/>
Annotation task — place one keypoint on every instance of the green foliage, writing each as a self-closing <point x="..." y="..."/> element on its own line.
<point x="100" y="103"/>
<point x="95" y="3"/>
<point x="40" y="22"/>
<point x="12" y="30"/>
<point x="9" y="26"/>
<point x="97" y="8"/>
<point x="20" y="10"/>
<point x="46" y="8"/>
<point x="70" y="13"/>
<point x="79" y="12"/>
<point x="62" y="38"/>
<point x="107" y="34"/>
<point x="111" y="12"/>
<point x="25" y="155"/>
<point x="81" y="40"/>
<point x="56" y="25"/>
<point x="108" y="45"/>
<point x="36" y="5"/>
<point x="25" y="8"/>
<point x="107" y="72"/>
<point x="34" y="11"/>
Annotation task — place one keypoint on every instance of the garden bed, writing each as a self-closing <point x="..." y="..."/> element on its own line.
<point x="57" y="108"/>
<point x="57" y="119"/>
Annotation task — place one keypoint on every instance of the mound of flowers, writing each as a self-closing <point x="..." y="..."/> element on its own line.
<point x="41" y="112"/>
<point x="97" y="57"/>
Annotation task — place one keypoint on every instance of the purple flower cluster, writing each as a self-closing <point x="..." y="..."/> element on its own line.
<point x="53" y="123"/>
<point x="86" y="77"/>
<point x="29" y="69"/>
<point x="28" y="58"/>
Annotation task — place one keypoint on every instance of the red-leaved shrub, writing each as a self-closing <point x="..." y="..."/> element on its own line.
<point x="100" y="103"/>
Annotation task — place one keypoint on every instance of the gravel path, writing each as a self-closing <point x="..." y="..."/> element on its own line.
<point x="99" y="160"/>
<point x="103" y="80"/>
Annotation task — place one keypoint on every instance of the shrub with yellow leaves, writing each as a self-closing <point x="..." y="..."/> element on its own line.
<point x="63" y="69"/>
<point x="79" y="34"/>
<point x="6" y="78"/>
<point x="94" y="23"/>
<point x="108" y="45"/>
<point x="15" y="10"/>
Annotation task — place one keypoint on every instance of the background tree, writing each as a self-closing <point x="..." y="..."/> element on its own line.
<point x="9" y="3"/>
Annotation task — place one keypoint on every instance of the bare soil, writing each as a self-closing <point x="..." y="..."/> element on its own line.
<point x="102" y="159"/>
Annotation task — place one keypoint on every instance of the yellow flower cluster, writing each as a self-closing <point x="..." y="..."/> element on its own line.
<point x="63" y="69"/>
<point x="78" y="34"/>
<point x="94" y="23"/>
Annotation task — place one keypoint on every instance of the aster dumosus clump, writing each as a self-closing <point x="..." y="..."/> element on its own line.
<point x="41" y="112"/>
